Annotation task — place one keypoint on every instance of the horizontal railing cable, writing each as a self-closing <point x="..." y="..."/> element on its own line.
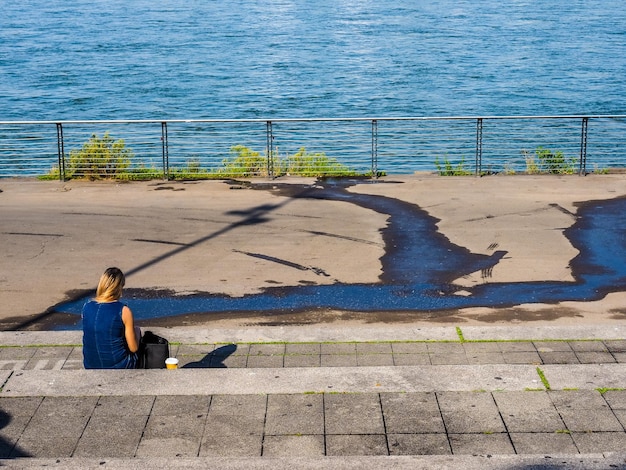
<point x="370" y="146"/>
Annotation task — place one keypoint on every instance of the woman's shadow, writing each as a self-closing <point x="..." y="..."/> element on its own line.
<point x="8" y="448"/>
<point x="215" y="359"/>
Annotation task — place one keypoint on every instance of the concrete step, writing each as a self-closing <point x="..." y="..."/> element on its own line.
<point x="356" y="333"/>
<point x="275" y="348"/>
<point x="551" y="415"/>
<point x="398" y="379"/>
<point x="428" y="462"/>
<point x="62" y="418"/>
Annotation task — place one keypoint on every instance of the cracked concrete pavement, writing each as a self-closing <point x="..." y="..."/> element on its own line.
<point x="222" y="237"/>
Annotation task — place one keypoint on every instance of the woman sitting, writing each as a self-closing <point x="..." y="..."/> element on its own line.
<point x="110" y="338"/>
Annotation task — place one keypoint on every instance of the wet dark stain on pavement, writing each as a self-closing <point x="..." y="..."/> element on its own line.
<point x="418" y="267"/>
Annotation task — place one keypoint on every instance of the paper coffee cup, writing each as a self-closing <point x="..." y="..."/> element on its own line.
<point x="171" y="363"/>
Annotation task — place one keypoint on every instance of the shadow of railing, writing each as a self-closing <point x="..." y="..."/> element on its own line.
<point x="253" y="215"/>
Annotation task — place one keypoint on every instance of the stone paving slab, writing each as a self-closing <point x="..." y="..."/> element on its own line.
<point x="412" y="413"/>
<point x="585" y="376"/>
<point x="523" y="413"/>
<point x="349" y="414"/>
<point x="295" y="414"/>
<point x="553" y="443"/>
<point x="296" y="425"/>
<point x="485" y="444"/>
<point x="470" y="413"/>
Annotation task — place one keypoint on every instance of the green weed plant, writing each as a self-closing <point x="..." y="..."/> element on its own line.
<point x="547" y="161"/>
<point x="303" y="163"/>
<point x="244" y="162"/>
<point x="100" y="157"/>
<point x="106" y="158"/>
<point x="447" y="168"/>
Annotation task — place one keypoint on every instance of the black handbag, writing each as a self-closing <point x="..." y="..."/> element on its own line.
<point x="153" y="350"/>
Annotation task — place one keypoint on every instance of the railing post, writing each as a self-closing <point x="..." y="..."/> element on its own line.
<point x="583" y="147"/>
<point x="374" y="148"/>
<point x="165" y="146"/>
<point x="479" y="146"/>
<point x="61" y="151"/>
<point x="269" y="135"/>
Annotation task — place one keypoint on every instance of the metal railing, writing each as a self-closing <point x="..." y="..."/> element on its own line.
<point x="365" y="146"/>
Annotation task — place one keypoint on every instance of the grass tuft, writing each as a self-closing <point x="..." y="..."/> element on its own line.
<point x="544" y="381"/>
<point x="459" y="332"/>
<point x="603" y="390"/>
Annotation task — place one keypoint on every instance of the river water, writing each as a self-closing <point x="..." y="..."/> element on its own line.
<point x="199" y="59"/>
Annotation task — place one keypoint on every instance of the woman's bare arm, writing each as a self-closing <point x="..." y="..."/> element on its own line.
<point x="129" y="329"/>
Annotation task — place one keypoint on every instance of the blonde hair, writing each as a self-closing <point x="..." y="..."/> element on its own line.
<point x="110" y="285"/>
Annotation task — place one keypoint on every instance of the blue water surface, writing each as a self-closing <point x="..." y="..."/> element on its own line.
<point x="146" y="59"/>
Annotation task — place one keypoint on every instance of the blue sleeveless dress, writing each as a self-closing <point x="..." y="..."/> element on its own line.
<point x="104" y="341"/>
